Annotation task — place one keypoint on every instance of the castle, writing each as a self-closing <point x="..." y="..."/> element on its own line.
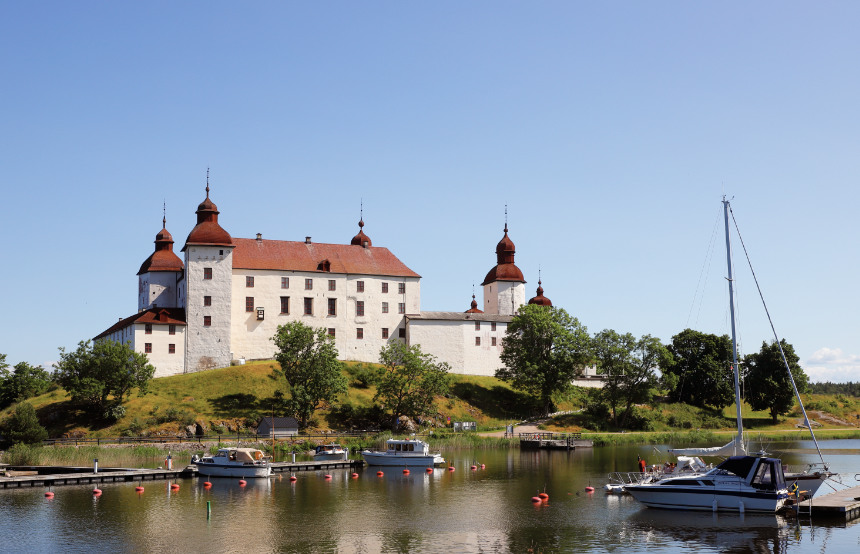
<point x="223" y="302"/>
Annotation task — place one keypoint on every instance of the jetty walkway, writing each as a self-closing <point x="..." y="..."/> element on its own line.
<point x="842" y="504"/>
<point x="54" y="476"/>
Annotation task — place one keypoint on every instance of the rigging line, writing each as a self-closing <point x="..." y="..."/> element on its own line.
<point x="706" y="266"/>
<point x="776" y="337"/>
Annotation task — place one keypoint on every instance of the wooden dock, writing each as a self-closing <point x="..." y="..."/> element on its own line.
<point x="553" y="441"/>
<point x="50" y="476"/>
<point x="844" y="504"/>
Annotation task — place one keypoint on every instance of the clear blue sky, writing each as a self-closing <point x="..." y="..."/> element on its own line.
<point x="611" y="130"/>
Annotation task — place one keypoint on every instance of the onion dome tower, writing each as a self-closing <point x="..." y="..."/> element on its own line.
<point x="504" y="290"/>
<point x="207" y="231"/>
<point x="474" y="309"/>
<point x="361" y="239"/>
<point x="159" y="273"/>
<point x="540" y="299"/>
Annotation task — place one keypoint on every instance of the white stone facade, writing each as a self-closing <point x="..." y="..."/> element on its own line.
<point x="469" y="343"/>
<point x="504" y="297"/>
<point x="208" y="279"/>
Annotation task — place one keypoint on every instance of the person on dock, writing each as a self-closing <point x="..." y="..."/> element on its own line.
<point x="641" y="464"/>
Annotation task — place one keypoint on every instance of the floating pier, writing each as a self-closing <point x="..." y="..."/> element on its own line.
<point x="553" y="441"/>
<point x="53" y="476"/>
<point x="844" y="504"/>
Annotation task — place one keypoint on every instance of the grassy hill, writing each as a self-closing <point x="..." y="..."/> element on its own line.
<point x="224" y="400"/>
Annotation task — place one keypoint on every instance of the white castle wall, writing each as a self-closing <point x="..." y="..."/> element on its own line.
<point x="157" y="288"/>
<point x="208" y="347"/>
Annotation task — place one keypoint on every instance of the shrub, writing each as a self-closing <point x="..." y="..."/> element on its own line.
<point x="114" y="412"/>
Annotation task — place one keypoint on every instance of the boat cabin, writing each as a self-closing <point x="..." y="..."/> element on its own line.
<point x="760" y="473"/>
<point x="407" y="445"/>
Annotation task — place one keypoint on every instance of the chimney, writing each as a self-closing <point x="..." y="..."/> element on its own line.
<point x="259" y="236"/>
<point x="307" y="240"/>
<point x="364" y="244"/>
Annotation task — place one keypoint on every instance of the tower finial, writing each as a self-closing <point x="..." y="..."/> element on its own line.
<point x="164" y="215"/>
<point x="506" y="218"/>
<point x="361" y="213"/>
<point x="207" y="182"/>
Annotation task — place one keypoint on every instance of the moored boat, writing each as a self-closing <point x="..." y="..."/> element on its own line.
<point x="403" y="452"/>
<point x="235" y="462"/>
<point x="330" y="452"/>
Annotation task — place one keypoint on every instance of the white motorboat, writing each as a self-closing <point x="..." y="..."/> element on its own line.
<point x="235" y="462"/>
<point x="330" y="452"/>
<point x="404" y="452"/>
<point x="739" y="484"/>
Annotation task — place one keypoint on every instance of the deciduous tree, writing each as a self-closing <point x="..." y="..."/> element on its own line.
<point x="699" y="371"/>
<point x="544" y="349"/>
<point x="101" y="375"/>
<point x="410" y="380"/>
<point x="23" y="382"/>
<point x="767" y="384"/>
<point x="628" y="367"/>
<point x="309" y="365"/>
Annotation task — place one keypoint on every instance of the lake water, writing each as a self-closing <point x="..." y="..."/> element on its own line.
<point x="487" y="510"/>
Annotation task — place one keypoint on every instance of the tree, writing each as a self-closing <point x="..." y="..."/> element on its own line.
<point x="699" y="371"/>
<point x="94" y="373"/>
<point x="767" y="384"/>
<point x="308" y="363"/>
<point x="24" y="426"/>
<point x="410" y="380"/>
<point x="544" y="349"/>
<point x="628" y="366"/>
<point x="25" y="381"/>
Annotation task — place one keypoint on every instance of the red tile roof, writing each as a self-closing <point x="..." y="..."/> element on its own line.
<point x="161" y="260"/>
<point x="303" y="256"/>
<point x="156" y="316"/>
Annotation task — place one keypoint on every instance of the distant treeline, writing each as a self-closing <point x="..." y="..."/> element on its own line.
<point x="850" y="388"/>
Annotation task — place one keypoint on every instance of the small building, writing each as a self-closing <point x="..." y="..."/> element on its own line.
<point x="283" y="427"/>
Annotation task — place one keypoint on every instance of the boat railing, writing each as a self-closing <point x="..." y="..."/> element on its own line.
<point x="632" y="477"/>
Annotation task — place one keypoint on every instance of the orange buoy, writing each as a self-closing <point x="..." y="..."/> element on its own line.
<point x="97" y="492"/>
<point x="174" y="486"/>
<point x="49" y="494"/>
<point x="589" y="489"/>
<point x="242" y="482"/>
<point x="138" y="489"/>
<point x="450" y="468"/>
<point x="293" y="478"/>
<point x="327" y="477"/>
<point x="379" y="474"/>
<point x="405" y="472"/>
<point x="536" y="500"/>
<point x="207" y="484"/>
<point x="543" y="496"/>
<point x="355" y="475"/>
<point x="429" y="470"/>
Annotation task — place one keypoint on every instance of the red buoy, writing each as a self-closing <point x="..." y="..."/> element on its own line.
<point x="589" y="489"/>
<point x="450" y="468"/>
<point x="242" y="482"/>
<point x="97" y="492"/>
<point x="327" y="477"/>
<point x="293" y="478"/>
<point x="138" y="489"/>
<point x="355" y="475"/>
<point x="49" y="494"/>
<point x="405" y="472"/>
<point x="474" y="468"/>
<point x="379" y="474"/>
<point x="429" y="470"/>
<point x="536" y="500"/>
<point x="543" y="496"/>
<point x="174" y="486"/>
<point x="483" y="466"/>
<point x="207" y="484"/>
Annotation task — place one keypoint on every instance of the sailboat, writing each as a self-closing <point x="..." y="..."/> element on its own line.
<point x="743" y="481"/>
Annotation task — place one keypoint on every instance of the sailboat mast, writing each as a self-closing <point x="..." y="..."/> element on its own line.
<point x="739" y="440"/>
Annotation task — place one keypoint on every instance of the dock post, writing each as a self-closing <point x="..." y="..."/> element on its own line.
<point x="95" y="465"/>
<point x="294" y="457"/>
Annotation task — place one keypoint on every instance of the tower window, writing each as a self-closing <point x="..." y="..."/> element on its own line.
<point x="401" y="288"/>
<point x="493" y="341"/>
<point x="401" y="308"/>
<point x="477" y="326"/>
<point x="285" y="282"/>
<point x="493" y="326"/>
<point x="309" y="306"/>
<point x="477" y="341"/>
<point x="331" y="331"/>
<point x="359" y="307"/>
<point x="207" y="321"/>
<point x="401" y="332"/>
<point x="332" y="306"/>
<point x="249" y="281"/>
<point x="249" y="303"/>
<point x="385" y="332"/>
<point x="171" y="329"/>
<point x="385" y="307"/>
<point x="171" y="348"/>
<point x="147" y="328"/>
<point x="359" y="333"/>
<point x="332" y="284"/>
<point x="285" y="304"/>
<point x="207" y="300"/>
<point x="147" y="348"/>
<point x="359" y="286"/>
<point x="309" y="284"/>
<point x="384" y="287"/>
<point x="207" y="273"/>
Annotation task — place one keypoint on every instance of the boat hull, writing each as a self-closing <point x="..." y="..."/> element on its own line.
<point x="706" y="499"/>
<point x="333" y="456"/>
<point x="242" y="472"/>
<point x="402" y="459"/>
